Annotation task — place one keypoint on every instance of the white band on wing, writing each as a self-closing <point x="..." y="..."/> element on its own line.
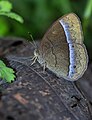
<point x="71" y="48"/>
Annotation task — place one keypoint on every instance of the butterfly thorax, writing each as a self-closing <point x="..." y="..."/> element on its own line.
<point x="39" y="56"/>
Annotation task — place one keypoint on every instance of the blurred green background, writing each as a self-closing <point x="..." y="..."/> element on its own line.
<point x="40" y="14"/>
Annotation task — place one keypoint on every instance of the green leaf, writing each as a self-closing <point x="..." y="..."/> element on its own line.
<point x="13" y="16"/>
<point x="5" y="6"/>
<point x="6" y="73"/>
<point x="2" y="64"/>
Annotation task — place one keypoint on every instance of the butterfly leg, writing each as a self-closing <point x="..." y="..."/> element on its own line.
<point x="34" y="59"/>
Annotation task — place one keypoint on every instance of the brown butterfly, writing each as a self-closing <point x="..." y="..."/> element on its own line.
<point x="62" y="50"/>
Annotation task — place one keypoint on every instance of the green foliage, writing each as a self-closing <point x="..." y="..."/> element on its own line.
<point x="5" y="6"/>
<point x="40" y="14"/>
<point x="6" y="73"/>
<point x="88" y="9"/>
<point x="12" y="15"/>
<point x="5" y="9"/>
<point x="3" y="27"/>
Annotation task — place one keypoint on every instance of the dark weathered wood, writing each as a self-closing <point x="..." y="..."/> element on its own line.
<point x="38" y="95"/>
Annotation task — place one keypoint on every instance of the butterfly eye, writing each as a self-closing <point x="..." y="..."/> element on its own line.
<point x="73" y="46"/>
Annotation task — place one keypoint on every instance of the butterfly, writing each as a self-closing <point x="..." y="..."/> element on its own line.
<point x="62" y="50"/>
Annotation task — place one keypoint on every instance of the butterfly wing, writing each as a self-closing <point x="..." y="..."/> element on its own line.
<point x="54" y="50"/>
<point x="62" y="48"/>
<point x="78" y="61"/>
<point x="72" y="28"/>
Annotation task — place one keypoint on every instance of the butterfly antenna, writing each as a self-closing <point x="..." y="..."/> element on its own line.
<point x="33" y="42"/>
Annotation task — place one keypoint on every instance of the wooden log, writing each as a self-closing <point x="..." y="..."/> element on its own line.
<point x="38" y="95"/>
